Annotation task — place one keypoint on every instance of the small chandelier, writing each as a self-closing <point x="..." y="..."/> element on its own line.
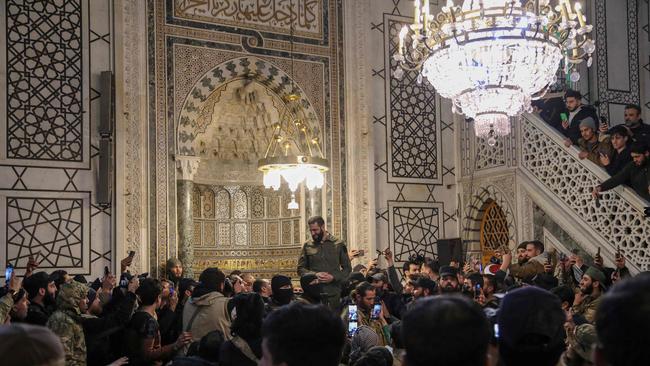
<point x="492" y="57"/>
<point x="294" y="152"/>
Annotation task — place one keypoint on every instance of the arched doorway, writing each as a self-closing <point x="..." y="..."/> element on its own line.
<point x="494" y="230"/>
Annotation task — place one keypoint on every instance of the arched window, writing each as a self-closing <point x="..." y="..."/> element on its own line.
<point x="494" y="230"/>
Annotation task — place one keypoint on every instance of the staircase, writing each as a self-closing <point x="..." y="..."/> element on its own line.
<point x="557" y="181"/>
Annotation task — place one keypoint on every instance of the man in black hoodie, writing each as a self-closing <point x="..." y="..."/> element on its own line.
<point x="282" y="291"/>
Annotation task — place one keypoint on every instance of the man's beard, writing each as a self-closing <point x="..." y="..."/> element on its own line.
<point x="49" y="300"/>
<point x="448" y="289"/>
<point x="587" y="291"/>
<point x="317" y="237"/>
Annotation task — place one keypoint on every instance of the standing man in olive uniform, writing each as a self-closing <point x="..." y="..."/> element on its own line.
<point x="327" y="258"/>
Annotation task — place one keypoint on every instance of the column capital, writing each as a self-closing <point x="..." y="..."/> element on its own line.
<point x="186" y="166"/>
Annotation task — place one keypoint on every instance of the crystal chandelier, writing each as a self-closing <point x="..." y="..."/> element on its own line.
<point x="492" y="57"/>
<point x="294" y="152"/>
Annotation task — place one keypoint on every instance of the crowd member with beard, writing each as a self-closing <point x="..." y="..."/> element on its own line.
<point x="591" y="288"/>
<point x="423" y="287"/>
<point x="174" y="271"/>
<point x="635" y="174"/>
<point x="245" y="346"/>
<point x="42" y="295"/>
<point x="348" y="287"/>
<point x="311" y="288"/>
<point x="448" y="282"/>
<point x="327" y="257"/>
<point x="470" y="283"/>
<point x="639" y="130"/>
<point x="577" y="113"/>
<point x="207" y="309"/>
<point x="262" y="286"/>
<point x="282" y="291"/>
<point x="365" y="299"/>
<point x="532" y="266"/>
<point x="392" y="300"/>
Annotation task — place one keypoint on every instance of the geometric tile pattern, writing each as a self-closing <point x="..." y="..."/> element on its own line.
<point x="415" y="228"/>
<point x="411" y="112"/>
<point x="606" y="94"/>
<point x="44" y="80"/>
<point x="51" y="227"/>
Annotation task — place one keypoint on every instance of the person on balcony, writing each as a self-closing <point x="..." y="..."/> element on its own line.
<point x="577" y="113"/>
<point x="590" y="147"/>
<point x="639" y="130"/>
<point x="635" y="174"/>
<point x="620" y="156"/>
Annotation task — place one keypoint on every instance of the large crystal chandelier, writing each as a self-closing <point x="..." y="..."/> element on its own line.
<point x="492" y="57"/>
<point x="294" y="152"/>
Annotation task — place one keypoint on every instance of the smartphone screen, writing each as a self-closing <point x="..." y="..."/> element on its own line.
<point x="352" y="328"/>
<point x="496" y="331"/>
<point x="375" y="311"/>
<point x="352" y="313"/>
<point x="131" y="253"/>
<point x="564" y="117"/>
<point x="9" y="272"/>
<point x="477" y="291"/>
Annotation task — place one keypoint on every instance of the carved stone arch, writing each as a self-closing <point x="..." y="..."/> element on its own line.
<point x="480" y="201"/>
<point x="190" y="125"/>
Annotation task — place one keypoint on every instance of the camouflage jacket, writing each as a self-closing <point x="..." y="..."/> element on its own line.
<point x="587" y="308"/>
<point x="330" y="255"/>
<point x="66" y="322"/>
<point x="72" y="337"/>
<point x="6" y="303"/>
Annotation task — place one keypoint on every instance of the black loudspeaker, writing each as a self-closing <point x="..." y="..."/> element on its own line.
<point x="449" y="249"/>
<point x="105" y="176"/>
<point x="106" y="104"/>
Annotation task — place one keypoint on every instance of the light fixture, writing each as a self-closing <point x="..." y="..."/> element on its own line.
<point x="294" y="152"/>
<point x="492" y="57"/>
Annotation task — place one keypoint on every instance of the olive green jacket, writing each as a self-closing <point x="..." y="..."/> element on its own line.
<point x="330" y="255"/>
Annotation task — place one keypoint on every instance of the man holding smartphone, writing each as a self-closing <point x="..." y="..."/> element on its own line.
<point x="327" y="258"/>
<point x="369" y="312"/>
<point x="577" y="112"/>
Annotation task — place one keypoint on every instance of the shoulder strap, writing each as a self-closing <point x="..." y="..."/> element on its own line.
<point x="196" y="312"/>
<point x="244" y="348"/>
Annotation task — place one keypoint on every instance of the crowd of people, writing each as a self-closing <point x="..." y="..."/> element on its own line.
<point x="622" y="149"/>
<point x="530" y="307"/>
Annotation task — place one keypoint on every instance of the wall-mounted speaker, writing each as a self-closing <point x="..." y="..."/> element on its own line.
<point x="105" y="176"/>
<point x="449" y="249"/>
<point x="106" y="104"/>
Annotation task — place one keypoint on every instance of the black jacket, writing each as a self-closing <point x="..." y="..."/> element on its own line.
<point x="101" y="333"/>
<point x="641" y="133"/>
<point x="618" y="161"/>
<point x="37" y="314"/>
<point x="573" y="132"/>
<point x="637" y="177"/>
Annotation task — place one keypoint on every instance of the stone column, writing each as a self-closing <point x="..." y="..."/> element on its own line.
<point x="186" y="167"/>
